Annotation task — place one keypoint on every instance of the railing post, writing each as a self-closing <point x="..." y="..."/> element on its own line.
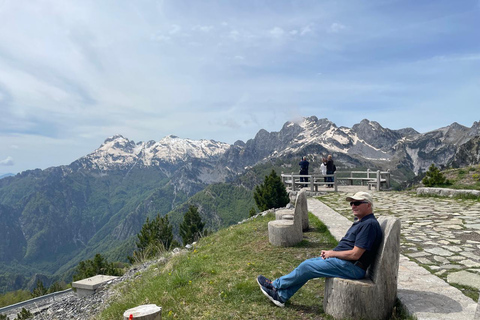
<point x="335" y="181"/>
<point x="378" y="180"/>
<point x="387" y="177"/>
<point x="311" y="182"/>
<point x="293" y="183"/>
<point x="368" y="173"/>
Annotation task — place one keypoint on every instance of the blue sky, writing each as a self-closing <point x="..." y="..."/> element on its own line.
<point x="73" y="73"/>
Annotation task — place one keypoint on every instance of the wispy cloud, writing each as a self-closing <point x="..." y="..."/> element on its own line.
<point x="336" y="27"/>
<point x="7" y="162"/>
<point x="74" y="73"/>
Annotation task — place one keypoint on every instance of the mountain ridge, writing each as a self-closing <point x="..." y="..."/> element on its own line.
<point x="61" y="215"/>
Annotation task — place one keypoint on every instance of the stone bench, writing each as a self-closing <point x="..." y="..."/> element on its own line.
<point x="373" y="297"/>
<point x="86" y="287"/>
<point x="287" y="229"/>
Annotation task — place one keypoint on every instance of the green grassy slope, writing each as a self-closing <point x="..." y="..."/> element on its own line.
<point x="217" y="279"/>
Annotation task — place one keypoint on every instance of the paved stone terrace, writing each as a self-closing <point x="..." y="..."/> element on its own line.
<point x="442" y="235"/>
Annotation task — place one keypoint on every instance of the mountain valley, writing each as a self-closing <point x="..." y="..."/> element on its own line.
<point x="54" y="218"/>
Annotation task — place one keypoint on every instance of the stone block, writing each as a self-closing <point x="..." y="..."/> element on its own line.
<point x="289" y="232"/>
<point x="86" y="287"/>
<point x="144" y="312"/>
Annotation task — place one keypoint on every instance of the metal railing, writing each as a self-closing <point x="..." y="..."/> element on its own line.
<point x="36" y="300"/>
<point x="377" y="179"/>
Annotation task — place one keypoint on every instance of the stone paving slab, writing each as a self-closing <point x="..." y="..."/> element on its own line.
<point x="424" y="295"/>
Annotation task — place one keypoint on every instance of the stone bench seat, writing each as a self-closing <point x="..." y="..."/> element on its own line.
<point x="373" y="297"/>
<point x="287" y="229"/>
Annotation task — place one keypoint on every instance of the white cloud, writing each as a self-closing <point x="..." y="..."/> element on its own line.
<point x="7" y="162"/>
<point x="336" y="27"/>
<point x="306" y="30"/>
<point x="174" y="29"/>
<point x="277" y="32"/>
<point x="83" y="71"/>
<point x="205" y="29"/>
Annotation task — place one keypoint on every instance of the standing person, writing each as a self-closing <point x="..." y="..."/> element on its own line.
<point x="330" y="169"/>
<point x="349" y="259"/>
<point x="323" y="168"/>
<point x="304" y="169"/>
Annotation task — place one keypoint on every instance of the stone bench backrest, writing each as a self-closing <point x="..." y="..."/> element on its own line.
<point x="385" y="267"/>
<point x="301" y="207"/>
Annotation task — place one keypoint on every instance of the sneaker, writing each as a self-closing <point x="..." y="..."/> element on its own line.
<point x="273" y="296"/>
<point x="264" y="282"/>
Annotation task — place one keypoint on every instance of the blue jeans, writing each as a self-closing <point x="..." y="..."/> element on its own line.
<point x="315" y="268"/>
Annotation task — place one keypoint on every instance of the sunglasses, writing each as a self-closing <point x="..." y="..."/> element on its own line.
<point x="357" y="203"/>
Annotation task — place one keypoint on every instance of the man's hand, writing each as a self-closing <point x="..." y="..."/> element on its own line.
<point x="351" y="255"/>
<point x="328" y="254"/>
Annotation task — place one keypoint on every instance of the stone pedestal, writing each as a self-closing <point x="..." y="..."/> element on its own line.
<point x="144" y="312"/>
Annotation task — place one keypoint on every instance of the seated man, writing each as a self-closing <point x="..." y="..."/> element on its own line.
<point x="349" y="259"/>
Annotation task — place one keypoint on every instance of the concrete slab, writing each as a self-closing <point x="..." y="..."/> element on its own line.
<point x="86" y="287"/>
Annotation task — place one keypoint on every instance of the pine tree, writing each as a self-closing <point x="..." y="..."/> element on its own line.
<point x="24" y="314"/>
<point x="433" y="177"/>
<point x="98" y="265"/>
<point x="191" y="229"/>
<point x="40" y="289"/>
<point x="271" y="193"/>
<point x="154" y="233"/>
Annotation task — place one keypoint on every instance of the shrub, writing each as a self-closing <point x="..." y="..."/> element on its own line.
<point x="98" y="265"/>
<point x="24" y="314"/>
<point x="40" y="289"/>
<point x="156" y="236"/>
<point x="191" y="229"/>
<point x="433" y="177"/>
<point x="271" y="193"/>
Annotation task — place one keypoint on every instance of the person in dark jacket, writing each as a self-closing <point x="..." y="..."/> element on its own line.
<point x="330" y="170"/>
<point x="349" y="259"/>
<point x="304" y="169"/>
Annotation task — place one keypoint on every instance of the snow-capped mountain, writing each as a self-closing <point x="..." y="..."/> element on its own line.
<point x="61" y="215"/>
<point x="366" y="143"/>
<point x="117" y="152"/>
<point x="404" y="152"/>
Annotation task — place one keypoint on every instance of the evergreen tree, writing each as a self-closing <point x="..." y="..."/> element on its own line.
<point x="191" y="229"/>
<point x="56" y="286"/>
<point x="157" y="231"/>
<point x="40" y="289"/>
<point x="433" y="177"/>
<point x="271" y="193"/>
<point x="24" y="314"/>
<point x="252" y="212"/>
<point x="156" y="236"/>
<point x="98" y="265"/>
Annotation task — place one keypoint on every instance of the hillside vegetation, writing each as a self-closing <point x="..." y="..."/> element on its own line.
<point x="217" y="279"/>
<point x="464" y="178"/>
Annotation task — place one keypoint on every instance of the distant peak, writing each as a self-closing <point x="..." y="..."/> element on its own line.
<point x="115" y="137"/>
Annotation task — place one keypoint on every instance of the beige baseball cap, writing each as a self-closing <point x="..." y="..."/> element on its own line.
<point x="361" y="196"/>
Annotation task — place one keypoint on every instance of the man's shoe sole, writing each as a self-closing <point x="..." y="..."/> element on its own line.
<point x="276" y="302"/>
